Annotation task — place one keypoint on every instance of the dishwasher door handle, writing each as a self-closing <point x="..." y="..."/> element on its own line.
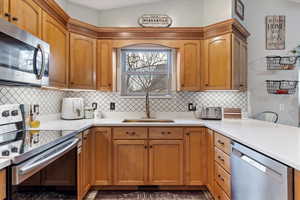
<point x="250" y="161"/>
<point x="38" y="163"/>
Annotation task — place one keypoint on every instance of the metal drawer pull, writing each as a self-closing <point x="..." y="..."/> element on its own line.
<point x="221" y="143"/>
<point x="33" y="165"/>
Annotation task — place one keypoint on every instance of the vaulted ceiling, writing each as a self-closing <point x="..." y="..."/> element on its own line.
<point x="110" y="4"/>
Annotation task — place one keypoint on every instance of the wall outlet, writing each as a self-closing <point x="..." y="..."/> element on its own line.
<point x="281" y="107"/>
<point x="192" y="107"/>
<point x="112" y="106"/>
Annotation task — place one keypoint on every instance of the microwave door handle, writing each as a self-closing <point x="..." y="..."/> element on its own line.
<point x="32" y="166"/>
<point x="39" y="74"/>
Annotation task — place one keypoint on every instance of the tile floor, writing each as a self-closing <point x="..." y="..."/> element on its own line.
<point x="120" y="195"/>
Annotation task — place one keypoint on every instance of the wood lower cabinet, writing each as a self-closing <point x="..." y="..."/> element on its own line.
<point x="82" y="62"/>
<point x="210" y="161"/>
<point x="297" y="185"/>
<point x="190" y="65"/>
<point x="166" y="162"/>
<point x="196" y="156"/>
<point x="80" y="174"/>
<point x="27" y="15"/>
<point x="102" y="156"/>
<point x="2" y="184"/>
<point x="58" y="37"/>
<point x="104" y="65"/>
<point x="130" y="162"/>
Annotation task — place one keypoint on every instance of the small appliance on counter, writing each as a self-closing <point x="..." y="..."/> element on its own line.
<point x="211" y="113"/>
<point x="89" y="112"/>
<point x="72" y="109"/>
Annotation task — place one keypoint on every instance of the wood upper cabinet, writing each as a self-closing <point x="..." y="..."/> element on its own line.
<point x="166" y="162"/>
<point x="217" y="63"/>
<point x="102" y="156"/>
<point x="82" y="62"/>
<point x="2" y="184"/>
<point x="189" y="72"/>
<point x="58" y="37"/>
<point x="130" y="162"/>
<point x="196" y="156"/>
<point x="104" y="65"/>
<point x="239" y="63"/>
<point x="4" y="10"/>
<point x="27" y="15"/>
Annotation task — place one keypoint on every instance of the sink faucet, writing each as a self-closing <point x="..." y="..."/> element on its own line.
<point x="147" y="103"/>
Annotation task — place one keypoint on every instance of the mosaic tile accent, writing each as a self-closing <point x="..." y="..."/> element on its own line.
<point x="178" y="103"/>
<point x="49" y="100"/>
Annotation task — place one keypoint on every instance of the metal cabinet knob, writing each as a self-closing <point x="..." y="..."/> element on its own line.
<point x="15" y="19"/>
<point x="220" y="142"/>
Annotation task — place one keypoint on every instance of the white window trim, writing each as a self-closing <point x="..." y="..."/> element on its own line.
<point x="173" y="74"/>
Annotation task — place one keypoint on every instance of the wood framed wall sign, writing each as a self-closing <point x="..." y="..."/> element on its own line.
<point x="155" y="20"/>
<point x="275" y="32"/>
<point x="240" y="9"/>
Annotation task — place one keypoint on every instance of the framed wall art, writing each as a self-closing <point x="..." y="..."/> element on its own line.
<point x="240" y="9"/>
<point x="275" y="32"/>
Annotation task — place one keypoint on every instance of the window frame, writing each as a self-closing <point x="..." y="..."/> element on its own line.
<point x="124" y="74"/>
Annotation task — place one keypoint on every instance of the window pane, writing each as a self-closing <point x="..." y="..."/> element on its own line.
<point x="157" y="84"/>
<point x="146" y="70"/>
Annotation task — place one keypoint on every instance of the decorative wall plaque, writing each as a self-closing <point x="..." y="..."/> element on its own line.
<point x="155" y="20"/>
<point x="275" y="32"/>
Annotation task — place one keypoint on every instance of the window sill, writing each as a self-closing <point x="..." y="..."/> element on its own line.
<point x="143" y="97"/>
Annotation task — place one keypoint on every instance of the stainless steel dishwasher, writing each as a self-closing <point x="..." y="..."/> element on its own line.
<point x="258" y="177"/>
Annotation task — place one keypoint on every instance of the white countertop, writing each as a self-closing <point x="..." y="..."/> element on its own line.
<point x="4" y="163"/>
<point x="277" y="141"/>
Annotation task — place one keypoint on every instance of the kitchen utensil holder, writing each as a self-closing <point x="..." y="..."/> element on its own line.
<point x="281" y="86"/>
<point x="281" y="63"/>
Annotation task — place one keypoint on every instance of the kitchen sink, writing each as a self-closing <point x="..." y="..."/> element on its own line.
<point x="148" y="121"/>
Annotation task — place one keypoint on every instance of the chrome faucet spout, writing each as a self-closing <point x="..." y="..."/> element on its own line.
<point x="147" y="103"/>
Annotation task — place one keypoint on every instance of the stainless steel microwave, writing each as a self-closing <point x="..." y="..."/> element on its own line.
<point x="24" y="58"/>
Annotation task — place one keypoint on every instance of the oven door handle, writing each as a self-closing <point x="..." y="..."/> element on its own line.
<point x="38" y="163"/>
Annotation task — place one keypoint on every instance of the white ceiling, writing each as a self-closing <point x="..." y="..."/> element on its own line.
<point x="110" y="4"/>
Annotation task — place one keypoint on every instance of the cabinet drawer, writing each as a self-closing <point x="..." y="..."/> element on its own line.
<point x="130" y="133"/>
<point x="223" y="159"/>
<point x="223" y="143"/>
<point x="166" y="133"/>
<point x="219" y="193"/>
<point x="223" y="179"/>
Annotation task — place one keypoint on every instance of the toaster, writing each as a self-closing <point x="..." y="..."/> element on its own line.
<point x="211" y="113"/>
<point x="72" y="109"/>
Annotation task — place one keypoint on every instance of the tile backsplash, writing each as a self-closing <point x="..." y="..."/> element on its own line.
<point x="50" y="101"/>
<point x="178" y="103"/>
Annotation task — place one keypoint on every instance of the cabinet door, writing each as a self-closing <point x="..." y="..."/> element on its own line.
<point x="102" y="156"/>
<point x="58" y="38"/>
<point x="217" y="67"/>
<point x="166" y="162"/>
<point x="210" y="161"/>
<point x="82" y="62"/>
<point x="240" y="63"/>
<point x="130" y="162"/>
<point x="4" y="10"/>
<point x="104" y="65"/>
<point x="190" y="66"/>
<point x="55" y="175"/>
<point x="87" y="161"/>
<point x="2" y="184"/>
<point x="27" y="15"/>
<point x="80" y="173"/>
<point x="196" y="156"/>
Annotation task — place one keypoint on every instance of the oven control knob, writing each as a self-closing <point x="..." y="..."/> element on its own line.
<point x="14" y="149"/>
<point x="14" y="113"/>
<point x="5" y="153"/>
<point x="5" y="113"/>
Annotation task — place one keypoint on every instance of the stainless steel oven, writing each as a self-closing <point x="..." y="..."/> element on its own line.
<point x="24" y="58"/>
